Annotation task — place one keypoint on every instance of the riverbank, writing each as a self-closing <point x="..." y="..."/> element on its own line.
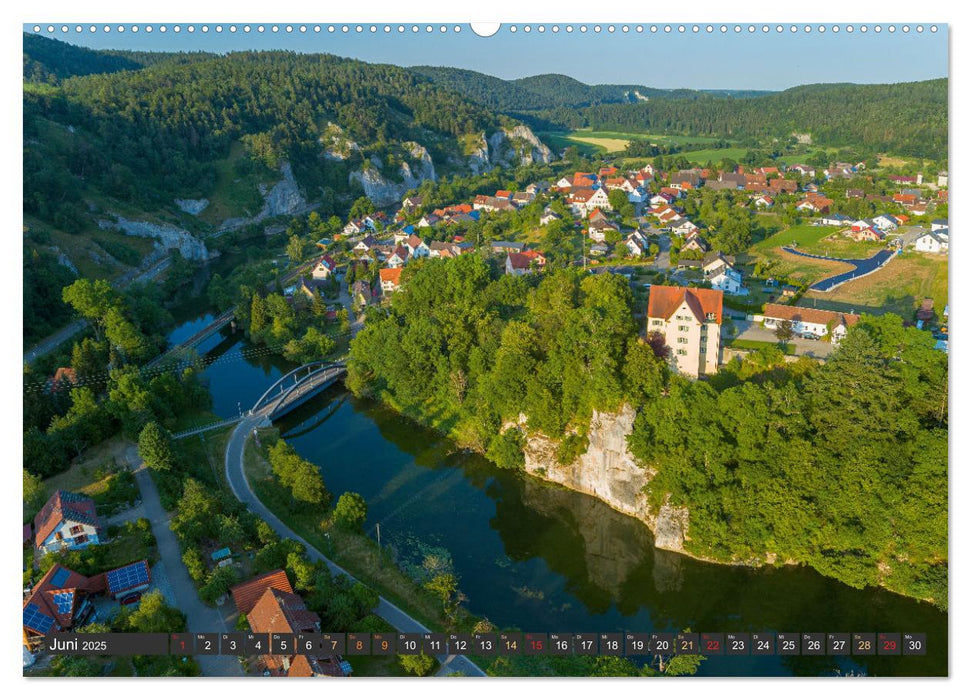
<point x="669" y="527"/>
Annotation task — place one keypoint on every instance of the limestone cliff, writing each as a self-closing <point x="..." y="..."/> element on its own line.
<point x="166" y="235"/>
<point x="517" y="146"/>
<point x="607" y="470"/>
<point x="384" y="191"/>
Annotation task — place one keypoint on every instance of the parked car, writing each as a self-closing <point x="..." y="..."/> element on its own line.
<point x="810" y="336"/>
<point x="131" y="599"/>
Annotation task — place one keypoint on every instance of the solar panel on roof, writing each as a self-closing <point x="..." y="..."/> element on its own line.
<point x="127" y="577"/>
<point x="59" y="577"/>
<point x="36" y="620"/>
<point x="64" y="602"/>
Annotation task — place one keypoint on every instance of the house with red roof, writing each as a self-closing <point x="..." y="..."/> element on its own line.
<point x="67" y="521"/>
<point x="324" y="268"/>
<point x="690" y="321"/>
<point x="390" y="279"/>
<point x="59" y="602"/>
<point x="271" y="607"/>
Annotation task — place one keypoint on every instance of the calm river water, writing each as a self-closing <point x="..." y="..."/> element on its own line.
<point x="545" y="559"/>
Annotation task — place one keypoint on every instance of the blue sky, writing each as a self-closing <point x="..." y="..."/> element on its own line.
<point x="742" y="61"/>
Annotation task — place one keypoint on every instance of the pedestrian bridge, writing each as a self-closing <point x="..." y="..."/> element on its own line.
<point x="290" y="391"/>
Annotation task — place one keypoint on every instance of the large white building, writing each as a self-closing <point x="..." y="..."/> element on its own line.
<point x="690" y="321"/>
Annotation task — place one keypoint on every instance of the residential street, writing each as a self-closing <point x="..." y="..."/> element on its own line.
<point x="386" y="610"/>
<point x="199" y="616"/>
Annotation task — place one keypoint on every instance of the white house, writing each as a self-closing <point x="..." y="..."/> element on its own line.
<point x="885" y="222"/>
<point x="683" y="228"/>
<point x="637" y="245"/>
<point x="390" y="279"/>
<point x="517" y="264"/>
<point x="835" y="220"/>
<point x="720" y="272"/>
<point x="67" y="521"/>
<point x="324" y="268"/>
<point x="939" y="224"/>
<point x="417" y="248"/>
<point x="818" y="322"/>
<point x="932" y="242"/>
<point x="548" y="217"/>
<point x="398" y="258"/>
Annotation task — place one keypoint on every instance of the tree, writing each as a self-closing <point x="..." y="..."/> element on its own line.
<point x="618" y="199"/>
<point x="33" y="492"/>
<point x="154" y="615"/>
<point x="350" y="512"/>
<point x="295" y="249"/>
<point x="155" y="447"/>
<point x="297" y="474"/>
<point x="362" y="207"/>
<point x="783" y="330"/>
<point x="416" y="664"/>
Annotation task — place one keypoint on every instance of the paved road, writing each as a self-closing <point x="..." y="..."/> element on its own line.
<point x="391" y="613"/>
<point x="199" y="617"/>
<point x="861" y="267"/>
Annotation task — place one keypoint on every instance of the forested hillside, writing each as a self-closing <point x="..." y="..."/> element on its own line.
<point x="906" y="119"/>
<point x="552" y="90"/>
<point x="151" y="135"/>
<point x="50" y="61"/>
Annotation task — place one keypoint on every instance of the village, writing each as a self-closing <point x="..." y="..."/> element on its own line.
<point x="637" y="223"/>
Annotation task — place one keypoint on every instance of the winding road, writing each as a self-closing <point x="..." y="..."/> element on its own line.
<point x="861" y="267"/>
<point x="386" y="610"/>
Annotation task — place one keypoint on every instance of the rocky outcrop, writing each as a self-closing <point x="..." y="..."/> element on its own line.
<point x="517" y="146"/>
<point x="168" y="236"/>
<point x="608" y="471"/>
<point x="283" y="198"/>
<point x="336" y="145"/>
<point x="479" y="157"/>
<point x="192" y="206"/>
<point x="384" y="191"/>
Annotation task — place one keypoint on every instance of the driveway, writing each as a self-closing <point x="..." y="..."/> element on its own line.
<point x="177" y="584"/>
<point x="861" y="267"/>
<point x="391" y="613"/>
<point x="749" y="330"/>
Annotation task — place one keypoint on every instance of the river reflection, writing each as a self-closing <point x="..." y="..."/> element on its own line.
<point x="541" y="558"/>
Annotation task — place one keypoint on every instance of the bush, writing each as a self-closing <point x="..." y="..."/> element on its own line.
<point x="506" y="449"/>
<point x="417" y="664"/>
<point x="350" y="511"/>
<point x="571" y="447"/>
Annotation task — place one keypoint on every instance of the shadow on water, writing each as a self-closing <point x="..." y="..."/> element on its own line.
<point x="543" y="558"/>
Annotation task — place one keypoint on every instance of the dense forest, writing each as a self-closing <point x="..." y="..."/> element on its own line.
<point x="553" y="90"/>
<point x="905" y="119"/>
<point x="841" y="466"/>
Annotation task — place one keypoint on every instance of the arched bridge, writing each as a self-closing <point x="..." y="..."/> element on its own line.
<point x="296" y="387"/>
<point x="293" y="389"/>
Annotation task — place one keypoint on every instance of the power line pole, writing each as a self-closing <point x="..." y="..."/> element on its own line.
<point x="380" y="557"/>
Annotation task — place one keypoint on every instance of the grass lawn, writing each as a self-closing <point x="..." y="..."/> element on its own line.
<point x="97" y="473"/>
<point x="234" y="195"/>
<point x="788" y="348"/>
<point x="356" y="552"/>
<point x="898" y="287"/>
<point x="596" y="141"/>
<point x="805" y="236"/>
<point x="714" y="155"/>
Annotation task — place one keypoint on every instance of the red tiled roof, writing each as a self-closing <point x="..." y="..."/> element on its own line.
<point x="68" y="581"/>
<point x="247" y="593"/>
<point x="279" y="611"/>
<point x="664" y="301"/>
<point x="391" y="274"/>
<point x="63" y="505"/>
<point x="807" y="315"/>
<point x="518" y="261"/>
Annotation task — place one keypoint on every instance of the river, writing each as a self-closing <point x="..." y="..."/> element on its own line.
<point x="545" y="559"/>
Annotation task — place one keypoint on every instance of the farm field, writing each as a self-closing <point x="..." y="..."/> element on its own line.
<point x="818" y="240"/>
<point x="592" y="141"/>
<point x="899" y="287"/>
